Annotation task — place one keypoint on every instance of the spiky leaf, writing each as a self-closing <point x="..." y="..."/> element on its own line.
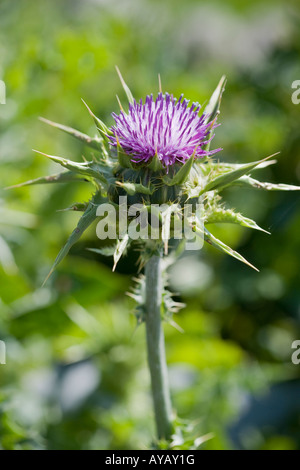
<point x="230" y="176"/>
<point x="253" y="183"/>
<point x="212" y="240"/>
<point x="84" y="222"/>
<point x="96" y="170"/>
<point x="92" y="142"/>
<point x="64" y="177"/>
<point x="219" y="215"/>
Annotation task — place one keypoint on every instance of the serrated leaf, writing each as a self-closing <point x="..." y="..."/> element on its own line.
<point x="182" y="175"/>
<point x="64" y="177"/>
<point x="215" y="242"/>
<point x="120" y="249"/>
<point x="230" y="176"/>
<point x="84" y="222"/>
<point x="220" y="215"/>
<point x="253" y="183"/>
<point x="125" y="87"/>
<point x="92" y="142"/>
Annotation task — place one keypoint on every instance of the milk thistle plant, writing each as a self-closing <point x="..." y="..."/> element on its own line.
<point x="158" y="184"/>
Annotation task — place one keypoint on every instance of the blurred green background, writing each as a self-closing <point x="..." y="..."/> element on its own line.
<point x="76" y="375"/>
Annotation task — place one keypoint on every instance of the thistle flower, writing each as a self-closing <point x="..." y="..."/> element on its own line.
<point x="162" y="157"/>
<point x="166" y="127"/>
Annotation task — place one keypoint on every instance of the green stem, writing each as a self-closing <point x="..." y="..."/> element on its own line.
<point x="156" y="349"/>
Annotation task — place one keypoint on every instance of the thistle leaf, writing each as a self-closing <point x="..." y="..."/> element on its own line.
<point x="95" y="142"/>
<point x="209" y="238"/>
<point x="64" y="177"/>
<point x="120" y="249"/>
<point x="182" y="175"/>
<point x="125" y="87"/>
<point x="230" y="176"/>
<point x="253" y="183"/>
<point x="220" y="215"/>
<point x="84" y="222"/>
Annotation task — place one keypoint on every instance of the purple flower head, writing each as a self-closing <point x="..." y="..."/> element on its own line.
<point x="165" y="127"/>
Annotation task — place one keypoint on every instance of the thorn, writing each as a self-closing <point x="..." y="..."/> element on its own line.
<point x="87" y="107"/>
<point x="119" y="103"/>
<point x="120" y="76"/>
<point x="117" y="139"/>
<point x="51" y="271"/>
<point x="125" y="87"/>
<point x="176" y="326"/>
<point x="195" y="149"/>
<point x="41" y="153"/>
<point x="270" y="156"/>
<point x="159" y="84"/>
<point x="213" y="122"/>
<point x="47" y="121"/>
